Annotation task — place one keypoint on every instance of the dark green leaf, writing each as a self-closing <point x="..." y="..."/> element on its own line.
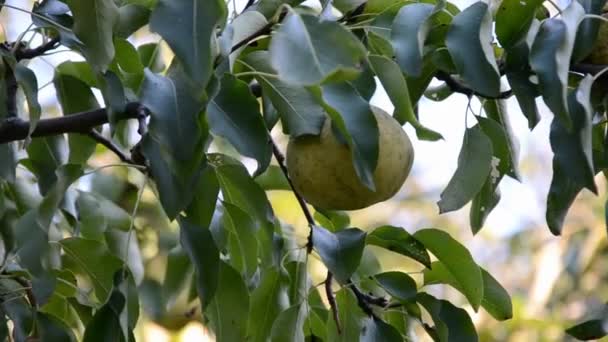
<point x="550" y="58"/>
<point x="353" y="118"/>
<point x="105" y="324"/>
<point x="204" y="255"/>
<point x="483" y="203"/>
<point x="75" y="96"/>
<point x="92" y="259"/>
<point x="131" y="17"/>
<point x="496" y="301"/>
<point x="177" y="275"/>
<point x="417" y="85"/>
<point x="498" y="128"/>
<point x="273" y="179"/>
<point x="459" y="323"/>
<point x="377" y="330"/>
<point x="17" y="309"/>
<point x="306" y="51"/>
<point x="513" y="19"/>
<point x="9" y="162"/>
<point x="191" y="39"/>
<point x="243" y="244"/>
<point x="410" y="29"/>
<point x="201" y="209"/>
<point x="562" y="193"/>
<point x="398" y="284"/>
<point x="300" y="113"/>
<point x="266" y="304"/>
<point x="396" y="87"/>
<point x="93" y="25"/>
<point x="240" y="121"/>
<point x="50" y="329"/>
<point x="151" y="57"/>
<point x="587" y="31"/>
<point x="572" y="147"/>
<point x="124" y="245"/>
<point x="29" y="84"/>
<point x="289" y="325"/>
<point x="474" y="165"/>
<point x="457" y="260"/>
<point x="398" y="240"/>
<point x="341" y="252"/>
<point x="589" y="330"/>
<point x="350" y="316"/>
<point x="45" y="155"/>
<point x="229" y="309"/>
<point x="473" y="28"/>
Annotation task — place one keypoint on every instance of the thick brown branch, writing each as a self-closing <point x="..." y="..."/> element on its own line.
<point x="17" y="129"/>
<point x="39" y="51"/>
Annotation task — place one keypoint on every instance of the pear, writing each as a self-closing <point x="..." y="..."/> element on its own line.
<point x="321" y="167"/>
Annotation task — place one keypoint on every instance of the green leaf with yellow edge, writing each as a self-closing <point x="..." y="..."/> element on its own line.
<point x="398" y="240"/>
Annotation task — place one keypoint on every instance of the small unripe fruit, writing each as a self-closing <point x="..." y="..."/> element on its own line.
<point x="321" y="167"/>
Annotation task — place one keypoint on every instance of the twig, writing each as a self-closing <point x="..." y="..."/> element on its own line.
<point x="39" y="51"/>
<point x="110" y="145"/>
<point x="458" y="87"/>
<point x="266" y="29"/>
<point x="362" y="300"/>
<point x="17" y="129"/>
<point x="249" y="4"/>
<point x="311" y="221"/>
<point x="28" y="291"/>
<point x="332" y="300"/>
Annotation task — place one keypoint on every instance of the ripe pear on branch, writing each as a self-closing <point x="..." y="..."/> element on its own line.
<point x="321" y="167"/>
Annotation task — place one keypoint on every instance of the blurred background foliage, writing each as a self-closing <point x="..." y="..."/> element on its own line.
<point x="554" y="282"/>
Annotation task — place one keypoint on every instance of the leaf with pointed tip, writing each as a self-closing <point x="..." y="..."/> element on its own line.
<point x="587" y="31"/>
<point x="550" y="58"/>
<point x="229" y="310"/>
<point x="29" y="84"/>
<point x="198" y="243"/>
<point x="50" y="329"/>
<point x="306" y="51"/>
<point x="573" y="148"/>
<point x="105" y="324"/>
<point x="474" y="165"/>
<point x="45" y="155"/>
<point x="410" y="29"/>
<point x="300" y="112"/>
<point x="398" y="240"/>
<point x="589" y="330"/>
<point x="341" y="252"/>
<point x="191" y="39"/>
<point x="131" y="17"/>
<point x="93" y="24"/>
<point x="457" y="260"/>
<point x="498" y="128"/>
<point x="477" y="65"/>
<point x="496" y="300"/>
<point x="240" y="121"/>
<point x="397" y="284"/>
<point x="242" y="244"/>
<point x="562" y="193"/>
<point x="92" y="259"/>
<point x="266" y="305"/>
<point x="452" y="324"/>
<point x="289" y="324"/>
<point x="396" y="87"/>
<point x="376" y="329"/>
<point x="353" y="118"/>
<point x="513" y="19"/>
<point x="483" y="203"/>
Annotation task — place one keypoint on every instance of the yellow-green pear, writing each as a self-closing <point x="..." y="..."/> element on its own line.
<point x="321" y="167"/>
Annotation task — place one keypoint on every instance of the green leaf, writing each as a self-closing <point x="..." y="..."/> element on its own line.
<point x="273" y="179"/>
<point x="45" y="155"/>
<point x="417" y="85"/>
<point x="353" y="118"/>
<point x="396" y="87"/>
<point x="474" y="165"/>
<point x="131" y="17"/>
<point x="151" y="57"/>
<point x="299" y="51"/>
<point x="93" y="259"/>
<point x="377" y="330"/>
<point x="190" y="40"/>
<point x="240" y="121"/>
<point x="457" y="260"/>
<point x="266" y="305"/>
<point x="587" y="31"/>
<point x="105" y="324"/>
<point x="350" y="316"/>
<point x="229" y="309"/>
<point x="124" y="245"/>
<point x="498" y="128"/>
<point x="289" y="325"/>
<point x="562" y="193"/>
<point x="17" y="310"/>
<point x="75" y="96"/>
<point x="201" y="209"/>
<point x="54" y="14"/>
<point x="298" y="108"/>
<point x="204" y="255"/>
<point x="483" y="203"/>
<point x="398" y="284"/>
<point x="459" y="323"/>
<point x="341" y="252"/>
<point x="178" y="275"/>
<point x="496" y="300"/>
<point x="589" y="330"/>
<point x="477" y="65"/>
<point x="243" y="245"/>
<point x="550" y="58"/>
<point x="79" y="70"/>
<point x="572" y="147"/>
<point x="245" y="25"/>
<point x="49" y="329"/>
<point x="26" y="79"/>
<point x="513" y="20"/>
<point x="9" y="162"/>
<point x="398" y="240"/>
<point x="270" y="7"/>
<point x="93" y="24"/>
<point x="410" y="29"/>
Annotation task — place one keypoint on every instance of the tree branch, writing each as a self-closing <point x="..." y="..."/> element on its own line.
<point x="331" y="299"/>
<point x="458" y="87"/>
<point x="24" y="53"/>
<point x="17" y="129"/>
<point x="110" y="145"/>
